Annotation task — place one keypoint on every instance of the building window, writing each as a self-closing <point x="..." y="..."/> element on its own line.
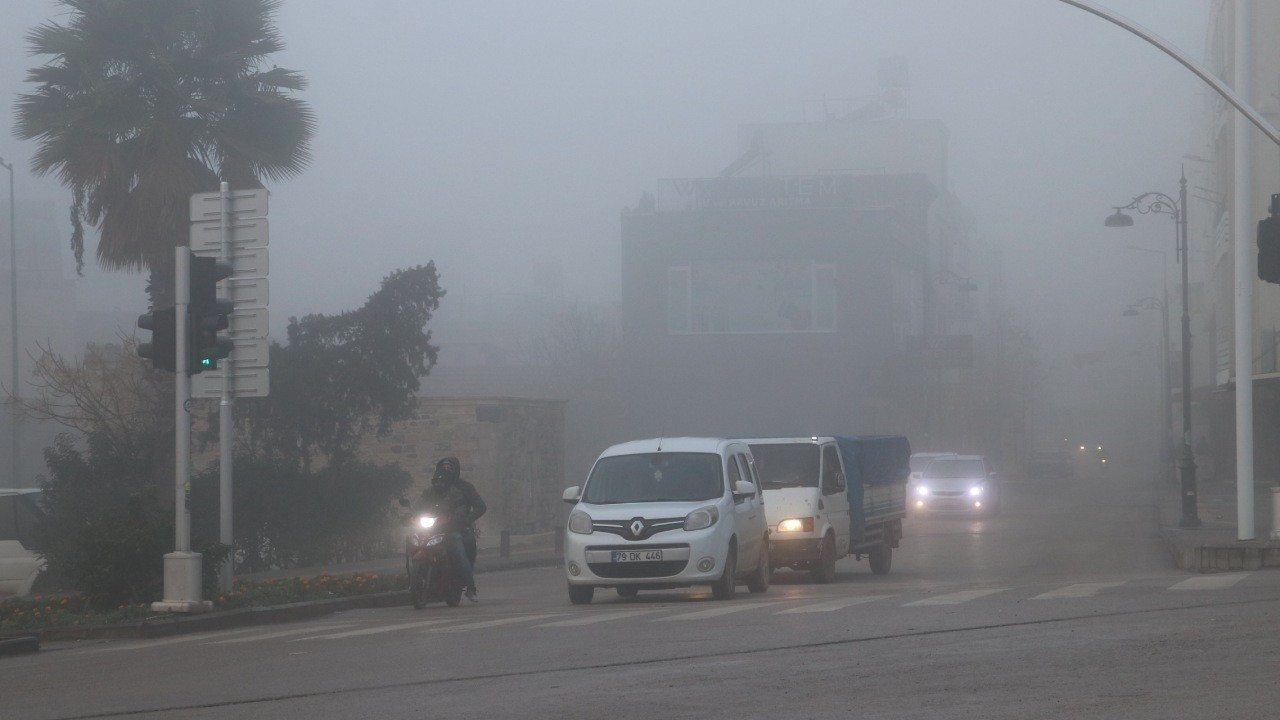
<point x="751" y="297"/>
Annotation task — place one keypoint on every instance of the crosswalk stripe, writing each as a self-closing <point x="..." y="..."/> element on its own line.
<point x="375" y="630"/>
<point x="493" y="623"/>
<point x="717" y="611"/>
<point x="955" y="598"/>
<point x="1079" y="590"/>
<point x="167" y="641"/>
<point x="596" y="618"/>
<point x="279" y="634"/>
<point x="832" y="605"/>
<point x="1211" y="582"/>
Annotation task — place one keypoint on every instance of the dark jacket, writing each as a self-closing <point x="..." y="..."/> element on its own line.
<point x="457" y="501"/>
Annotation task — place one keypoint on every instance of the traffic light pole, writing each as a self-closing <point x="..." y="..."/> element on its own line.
<point x="224" y="421"/>
<point x="182" y="577"/>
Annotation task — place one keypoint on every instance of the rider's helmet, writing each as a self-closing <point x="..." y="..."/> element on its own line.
<point x="447" y="470"/>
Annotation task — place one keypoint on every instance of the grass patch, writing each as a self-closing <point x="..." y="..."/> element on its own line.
<point x="44" y="611"/>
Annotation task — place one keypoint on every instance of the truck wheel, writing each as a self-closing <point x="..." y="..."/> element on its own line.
<point x="880" y="559"/>
<point x="581" y="594"/>
<point x="758" y="581"/>
<point x="824" y="568"/>
<point x="727" y="585"/>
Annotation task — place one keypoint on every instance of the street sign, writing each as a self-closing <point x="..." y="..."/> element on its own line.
<point x="245" y="261"/>
<point x="247" y="323"/>
<point x="245" y="382"/>
<point x="206" y="235"/>
<point x="248" y="292"/>
<point x="244" y="204"/>
<point x="250" y="353"/>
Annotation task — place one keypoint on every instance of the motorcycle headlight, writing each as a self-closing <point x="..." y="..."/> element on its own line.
<point x="580" y="523"/>
<point x="976" y="490"/>
<point x="435" y="540"/>
<point x="701" y="518"/>
<point x="426" y="521"/>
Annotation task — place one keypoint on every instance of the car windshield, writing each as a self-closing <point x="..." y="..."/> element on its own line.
<point x="786" y="465"/>
<point x="654" y="477"/>
<point x="955" y="468"/>
<point x="920" y="462"/>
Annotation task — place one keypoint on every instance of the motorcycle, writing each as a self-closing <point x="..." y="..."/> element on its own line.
<point x="432" y="575"/>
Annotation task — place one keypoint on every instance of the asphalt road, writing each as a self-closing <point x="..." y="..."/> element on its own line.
<point x="1066" y="606"/>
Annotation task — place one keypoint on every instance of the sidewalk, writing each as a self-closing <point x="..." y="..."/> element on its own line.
<point x="1213" y="547"/>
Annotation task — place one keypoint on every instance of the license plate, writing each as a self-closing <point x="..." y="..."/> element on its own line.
<point x="637" y="555"/>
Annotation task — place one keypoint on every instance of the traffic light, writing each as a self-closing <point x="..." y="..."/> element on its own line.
<point x="208" y="315"/>
<point x="163" y="348"/>
<point x="1269" y="244"/>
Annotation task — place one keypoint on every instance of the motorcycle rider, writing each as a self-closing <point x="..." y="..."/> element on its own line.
<point x="456" y="500"/>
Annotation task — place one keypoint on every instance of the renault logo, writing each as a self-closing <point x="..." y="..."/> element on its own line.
<point x="637" y="527"/>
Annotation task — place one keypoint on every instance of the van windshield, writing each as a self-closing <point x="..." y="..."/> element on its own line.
<point x="786" y="464"/>
<point x="655" y="477"/>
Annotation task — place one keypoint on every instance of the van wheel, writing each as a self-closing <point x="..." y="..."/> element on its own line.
<point x="880" y="559"/>
<point x="724" y="588"/>
<point x="824" y="568"/>
<point x="581" y="594"/>
<point x="628" y="592"/>
<point x="758" y="581"/>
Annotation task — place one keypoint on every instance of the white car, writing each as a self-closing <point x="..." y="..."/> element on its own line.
<point x="666" y="513"/>
<point x="957" y="484"/>
<point x="19" y="566"/>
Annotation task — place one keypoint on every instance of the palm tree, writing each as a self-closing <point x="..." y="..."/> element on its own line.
<point x="147" y="101"/>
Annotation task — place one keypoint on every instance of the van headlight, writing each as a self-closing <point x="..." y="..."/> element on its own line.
<point x="580" y="523"/>
<point x="701" y="518"/>
<point x="975" y="491"/>
<point x="804" y="524"/>
<point x="922" y="491"/>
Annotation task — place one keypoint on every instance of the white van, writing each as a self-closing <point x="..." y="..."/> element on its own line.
<point x="19" y="565"/>
<point x="666" y="513"/>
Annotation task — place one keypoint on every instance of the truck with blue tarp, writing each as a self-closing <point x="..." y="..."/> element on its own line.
<point x="827" y="497"/>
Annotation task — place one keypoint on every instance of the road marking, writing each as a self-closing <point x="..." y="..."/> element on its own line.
<point x="493" y="623"/>
<point x="168" y="641"/>
<point x="1211" y="582"/>
<point x="1080" y="590"/>
<point x="833" y="604"/>
<point x="717" y="611"/>
<point x="374" y="630"/>
<point x="279" y="634"/>
<point x="955" y="598"/>
<point x="596" y="618"/>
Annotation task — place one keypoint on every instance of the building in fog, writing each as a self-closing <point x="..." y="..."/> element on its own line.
<point x="1215" y="346"/>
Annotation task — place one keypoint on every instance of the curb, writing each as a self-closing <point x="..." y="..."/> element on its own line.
<point x="16" y="644"/>
<point x="248" y="617"/>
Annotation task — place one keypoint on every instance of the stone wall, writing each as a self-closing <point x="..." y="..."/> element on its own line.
<point x="511" y="449"/>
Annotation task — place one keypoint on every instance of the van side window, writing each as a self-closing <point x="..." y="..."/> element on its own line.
<point x="749" y="470"/>
<point x="733" y="474"/>
<point x="832" y="475"/>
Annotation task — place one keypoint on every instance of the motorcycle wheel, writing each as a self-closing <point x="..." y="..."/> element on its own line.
<point x="452" y="593"/>
<point x="417" y="586"/>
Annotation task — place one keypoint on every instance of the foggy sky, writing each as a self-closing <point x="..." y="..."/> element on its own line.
<point x="502" y="138"/>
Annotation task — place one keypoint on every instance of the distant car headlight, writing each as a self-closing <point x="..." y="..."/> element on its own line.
<point x="426" y="521"/>
<point x="804" y="524"/>
<point x="580" y="523"/>
<point x="976" y="490"/>
<point x="922" y="491"/>
<point x="701" y="518"/>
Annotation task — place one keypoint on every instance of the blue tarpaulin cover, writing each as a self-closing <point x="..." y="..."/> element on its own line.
<point x="871" y="460"/>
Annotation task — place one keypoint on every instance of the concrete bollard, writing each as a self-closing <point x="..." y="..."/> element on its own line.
<point x="1275" y="512"/>
<point x="504" y="544"/>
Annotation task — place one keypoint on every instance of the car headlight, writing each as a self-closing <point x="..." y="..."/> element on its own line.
<point x="976" y="490"/>
<point x="922" y="491"/>
<point x="435" y="540"/>
<point x="426" y="521"/>
<point x="701" y="518"/>
<point x="804" y="524"/>
<point x="580" y="523"/>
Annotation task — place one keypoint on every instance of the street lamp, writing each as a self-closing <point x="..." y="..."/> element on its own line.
<point x="1155" y="202"/>
<point x="1166" y="406"/>
<point x="14" y="465"/>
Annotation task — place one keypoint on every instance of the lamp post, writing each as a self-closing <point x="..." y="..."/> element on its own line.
<point x="1166" y="406"/>
<point x="14" y="464"/>
<point x="1155" y="202"/>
